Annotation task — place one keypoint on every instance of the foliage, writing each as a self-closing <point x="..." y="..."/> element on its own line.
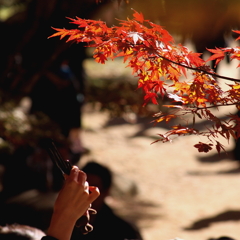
<point x="161" y="67"/>
<point x="19" y="128"/>
<point x="114" y="90"/>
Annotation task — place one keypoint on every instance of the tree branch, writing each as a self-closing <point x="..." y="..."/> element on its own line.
<point x="200" y="70"/>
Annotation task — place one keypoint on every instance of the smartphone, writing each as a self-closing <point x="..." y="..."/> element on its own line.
<point x="64" y="165"/>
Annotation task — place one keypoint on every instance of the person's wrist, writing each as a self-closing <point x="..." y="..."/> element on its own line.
<point x="62" y="215"/>
<point x="61" y="227"/>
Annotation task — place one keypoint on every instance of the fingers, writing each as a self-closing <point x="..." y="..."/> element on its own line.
<point x="86" y="187"/>
<point x="78" y="176"/>
<point x="94" y="193"/>
<point x="81" y="178"/>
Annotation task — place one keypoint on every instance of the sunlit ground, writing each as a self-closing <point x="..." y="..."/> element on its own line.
<point x="177" y="186"/>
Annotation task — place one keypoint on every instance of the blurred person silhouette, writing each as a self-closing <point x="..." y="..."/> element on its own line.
<point x="59" y="93"/>
<point x="107" y="225"/>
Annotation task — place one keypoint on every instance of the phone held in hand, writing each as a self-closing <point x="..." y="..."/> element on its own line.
<point x="64" y="165"/>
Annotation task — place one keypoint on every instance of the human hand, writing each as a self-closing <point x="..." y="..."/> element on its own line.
<point x="73" y="201"/>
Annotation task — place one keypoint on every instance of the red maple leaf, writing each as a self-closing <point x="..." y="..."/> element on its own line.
<point x="218" y="55"/>
<point x="100" y="58"/>
<point x="150" y="96"/>
<point x="138" y="16"/>
<point x="203" y="147"/>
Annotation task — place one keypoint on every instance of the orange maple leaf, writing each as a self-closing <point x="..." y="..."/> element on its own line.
<point x="166" y="118"/>
<point x="61" y="32"/>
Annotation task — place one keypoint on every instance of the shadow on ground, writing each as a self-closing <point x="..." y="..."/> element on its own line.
<point x="148" y="122"/>
<point x="139" y="211"/>
<point x="230" y="215"/>
<point x="215" y="158"/>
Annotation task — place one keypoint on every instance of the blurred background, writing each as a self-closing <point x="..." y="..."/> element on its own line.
<point x="53" y="89"/>
<point x="43" y="70"/>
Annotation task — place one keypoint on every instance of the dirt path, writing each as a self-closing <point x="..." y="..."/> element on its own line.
<point x="177" y="186"/>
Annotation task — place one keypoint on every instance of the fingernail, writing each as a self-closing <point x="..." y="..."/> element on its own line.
<point x="75" y="168"/>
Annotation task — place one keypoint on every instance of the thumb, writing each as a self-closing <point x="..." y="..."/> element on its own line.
<point x="94" y="193"/>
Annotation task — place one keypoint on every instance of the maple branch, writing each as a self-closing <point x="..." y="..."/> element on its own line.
<point x="143" y="47"/>
<point x="199" y="70"/>
<point x="220" y="105"/>
<point x="193" y="68"/>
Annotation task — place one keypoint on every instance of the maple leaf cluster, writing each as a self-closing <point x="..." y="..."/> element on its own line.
<point x="164" y="68"/>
